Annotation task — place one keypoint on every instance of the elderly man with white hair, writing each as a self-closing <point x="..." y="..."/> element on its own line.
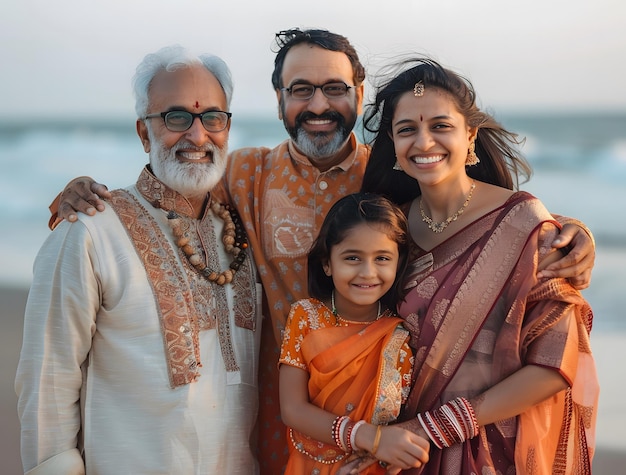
<point x="142" y="326"/>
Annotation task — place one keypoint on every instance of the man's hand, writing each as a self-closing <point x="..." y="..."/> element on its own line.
<point x="83" y="195"/>
<point x="577" y="264"/>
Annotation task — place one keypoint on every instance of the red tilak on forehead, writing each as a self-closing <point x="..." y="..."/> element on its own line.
<point x="197" y="105"/>
<point x="421" y="118"/>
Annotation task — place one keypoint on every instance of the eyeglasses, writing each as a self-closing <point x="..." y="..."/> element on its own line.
<point x="304" y="92"/>
<point x="179" y="121"/>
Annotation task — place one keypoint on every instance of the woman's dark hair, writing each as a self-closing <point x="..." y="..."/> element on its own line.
<point x="500" y="161"/>
<point x="344" y="215"/>
<point x="287" y="39"/>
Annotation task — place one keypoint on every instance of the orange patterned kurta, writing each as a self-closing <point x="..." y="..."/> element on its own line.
<point x="283" y="199"/>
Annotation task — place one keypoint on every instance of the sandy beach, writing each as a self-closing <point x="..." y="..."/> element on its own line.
<point x="610" y="455"/>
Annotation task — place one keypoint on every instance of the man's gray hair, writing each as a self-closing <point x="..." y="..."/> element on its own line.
<point x="171" y="58"/>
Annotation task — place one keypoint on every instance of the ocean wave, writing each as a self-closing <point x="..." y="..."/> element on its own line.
<point x="573" y="175"/>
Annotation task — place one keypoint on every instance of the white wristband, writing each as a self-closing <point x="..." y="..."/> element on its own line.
<point x="353" y="434"/>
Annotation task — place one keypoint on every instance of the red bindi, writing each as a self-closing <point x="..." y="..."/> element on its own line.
<point x="197" y="105"/>
<point x="421" y="118"/>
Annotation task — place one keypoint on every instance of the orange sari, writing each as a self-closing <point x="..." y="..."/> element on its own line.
<point x="358" y="370"/>
<point x="477" y="314"/>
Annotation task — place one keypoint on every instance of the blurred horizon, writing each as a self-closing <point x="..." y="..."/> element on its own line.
<point x="127" y="120"/>
<point x="51" y="118"/>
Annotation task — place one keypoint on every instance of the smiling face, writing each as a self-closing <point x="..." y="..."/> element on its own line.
<point x="363" y="268"/>
<point x="319" y="126"/>
<point x="191" y="162"/>
<point x="431" y="137"/>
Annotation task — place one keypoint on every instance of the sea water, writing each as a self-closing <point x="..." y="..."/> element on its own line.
<point x="579" y="163"/>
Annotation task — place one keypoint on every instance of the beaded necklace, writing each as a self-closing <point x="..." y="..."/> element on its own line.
<point x="233" y="237"/>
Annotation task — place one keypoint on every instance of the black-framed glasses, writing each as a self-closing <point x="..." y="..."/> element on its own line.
<point x="304" y="91"/>
<point x="179" y="121"/>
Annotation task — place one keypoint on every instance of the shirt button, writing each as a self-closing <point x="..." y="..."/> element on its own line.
<point x="323" y="185"/>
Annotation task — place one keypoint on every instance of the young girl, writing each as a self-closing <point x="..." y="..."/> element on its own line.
<point x="345" y="363"/>
<point x="489" y="332"/>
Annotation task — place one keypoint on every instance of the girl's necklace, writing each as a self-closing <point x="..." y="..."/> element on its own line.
<point x="344" y="320"/>
<point x="439" y="227"/>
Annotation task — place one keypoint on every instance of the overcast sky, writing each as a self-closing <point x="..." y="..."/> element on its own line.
<point x="76" y="57"/>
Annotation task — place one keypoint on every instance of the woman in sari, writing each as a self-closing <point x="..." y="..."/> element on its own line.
<point x="504" y="380"/>
<point x="345" y="365"/>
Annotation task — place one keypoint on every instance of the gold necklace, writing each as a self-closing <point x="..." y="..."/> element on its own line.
<point x="233" y="237"/>
<point x="345" y="320"/>
<point x="439" y="227"/>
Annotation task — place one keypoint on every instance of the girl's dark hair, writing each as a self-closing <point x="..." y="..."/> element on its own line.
<point x="500" y="161"/>
<point x="343" y="216"/>
<point x="287" y="39"/>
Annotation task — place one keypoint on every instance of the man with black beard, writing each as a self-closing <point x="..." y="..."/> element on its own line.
<point x="142" y="327"/>
<point x="284" y="193"/>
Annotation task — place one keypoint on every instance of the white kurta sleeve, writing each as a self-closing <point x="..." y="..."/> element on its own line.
<point x="65" y="463"/>
<point x="59" y="323"/>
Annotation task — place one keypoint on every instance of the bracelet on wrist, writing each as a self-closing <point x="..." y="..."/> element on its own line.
<point x="376" y="440"/>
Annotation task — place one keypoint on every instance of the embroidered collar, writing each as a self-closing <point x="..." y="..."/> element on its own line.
<point x="186" y="305"/>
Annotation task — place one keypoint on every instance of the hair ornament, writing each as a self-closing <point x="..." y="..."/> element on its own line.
<point x="418" y="89"/>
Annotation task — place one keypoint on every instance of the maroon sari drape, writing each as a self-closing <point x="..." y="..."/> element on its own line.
<point x="477" y="314"/>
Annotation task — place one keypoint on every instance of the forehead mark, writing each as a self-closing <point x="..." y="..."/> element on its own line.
<point x="421" y="118"/>
<point x="197" y="105"/>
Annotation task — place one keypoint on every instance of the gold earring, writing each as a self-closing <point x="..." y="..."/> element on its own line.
<point x="472" y="158"/>
<point x="396" y="166"/>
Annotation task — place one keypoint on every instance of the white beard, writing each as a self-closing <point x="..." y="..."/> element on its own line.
<point x="187" y="178"/>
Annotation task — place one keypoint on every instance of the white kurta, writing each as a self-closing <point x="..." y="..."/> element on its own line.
<point x="93" y="345"/>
